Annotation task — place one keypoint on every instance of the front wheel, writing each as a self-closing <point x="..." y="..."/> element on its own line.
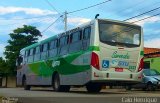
<point x="24" y="83"/>
<point x="93" y="88"/>
<point x="57" y="86"/>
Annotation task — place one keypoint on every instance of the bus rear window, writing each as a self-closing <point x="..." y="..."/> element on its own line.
<point x="119" y="34"/>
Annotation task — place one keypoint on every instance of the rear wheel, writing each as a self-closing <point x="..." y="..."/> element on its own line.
<point x="57" y="86"/>
<point x="93" y="88"/>
<point x="111" y="87"/>
<point x="24" y="83"/>
<point x="128" y="87"/>
<point x="144" y="88"/>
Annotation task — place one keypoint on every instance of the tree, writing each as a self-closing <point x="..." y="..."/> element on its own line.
<point x="20" y="38"/>
<point x="3" y="66"/>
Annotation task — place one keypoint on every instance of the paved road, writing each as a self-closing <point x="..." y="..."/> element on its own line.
<point x="78" y="95"/>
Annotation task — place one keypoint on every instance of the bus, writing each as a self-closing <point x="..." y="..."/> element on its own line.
<point x="98" y="53"/>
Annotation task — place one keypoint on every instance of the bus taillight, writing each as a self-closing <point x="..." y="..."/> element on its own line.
<point x="95" y="60"/>
<point x="141" y="65"/>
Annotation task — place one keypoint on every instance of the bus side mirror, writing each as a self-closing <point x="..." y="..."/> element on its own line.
<point x="19" y="61"/>
<point x="16" y="62"/>
<point x="96" y="16"/>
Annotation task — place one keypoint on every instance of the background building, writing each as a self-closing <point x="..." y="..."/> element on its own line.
<point x="7" y="80"/>
<point x="152" y="58"/>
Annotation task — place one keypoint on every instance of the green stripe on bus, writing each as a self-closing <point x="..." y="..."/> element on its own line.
<point x="65" y="68"/>
<point x="44" y="68"/>
<point x="94" y="48"/>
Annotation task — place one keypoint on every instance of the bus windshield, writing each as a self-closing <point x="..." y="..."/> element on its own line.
<point x="117" y="34"/>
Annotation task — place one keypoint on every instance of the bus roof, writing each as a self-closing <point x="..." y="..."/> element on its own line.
<point x="83" y="25"/>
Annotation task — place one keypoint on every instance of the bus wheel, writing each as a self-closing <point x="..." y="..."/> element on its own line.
<point x="144" y="88"/>
<point x="57" y="86"/>
<point x="93" y="88"/>
<point x="129" y="87"/>
<point x="24" y="83"/>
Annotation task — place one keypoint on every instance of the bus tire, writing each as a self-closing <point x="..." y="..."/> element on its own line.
<point x="24" y="83"/>
<point x="57" y="86"/>
<point x="93" y="88"/>
<point x="66" y="88"/>
<point x="129" y="87"/>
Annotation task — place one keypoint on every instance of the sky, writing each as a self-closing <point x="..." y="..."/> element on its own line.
<point x="16" y="13"/>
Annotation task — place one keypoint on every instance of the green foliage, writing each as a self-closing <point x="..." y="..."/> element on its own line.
<point x="3" y="66"/>
<point x="20" y="38"/>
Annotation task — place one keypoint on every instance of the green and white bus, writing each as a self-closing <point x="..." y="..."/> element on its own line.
<point x="100" y="52"/>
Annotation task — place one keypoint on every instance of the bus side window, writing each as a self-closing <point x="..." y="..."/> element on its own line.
<point x="86" y="37"/>
<point x="87" y="33"/>
<point x="75" y="36"/>
<point x="75" y="42"/>
<point x="63" y="44"/>
<point x="53" y="48"/>
<point x="45" y="47"/>
<point x="53" y="44"/>
<point x="44" y="51"/>
<point x="19" y="60"/>
<point x="30" y="55"/>
<point x="25" y="57"/>
<point x="28" y="52"/>
<point x="37" y="53"/>
<point x="31" y="52"/>
<point x="64" y="41"/>
<point x="37" y="50"/>
<point x="34" y="52"/>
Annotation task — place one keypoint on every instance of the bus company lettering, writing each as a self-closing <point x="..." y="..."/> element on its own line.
<point x="115" y="63"/>
<point x="55" y="63"/>
<point x="123" y="63"/>
<point x="122" y="56"/>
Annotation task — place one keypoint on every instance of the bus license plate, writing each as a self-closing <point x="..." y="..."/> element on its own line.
<point x="119" y="69"/>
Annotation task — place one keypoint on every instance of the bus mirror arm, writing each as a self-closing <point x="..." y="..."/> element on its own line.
<point x="17" y="62"/>
<point x="96" y="16"/>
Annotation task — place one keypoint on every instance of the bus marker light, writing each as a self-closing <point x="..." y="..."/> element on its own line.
<point x="95" y="61"/>
<point x="95" y="75"/>
<point x="141" y="65"/>
<point x="119" y="69"/>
